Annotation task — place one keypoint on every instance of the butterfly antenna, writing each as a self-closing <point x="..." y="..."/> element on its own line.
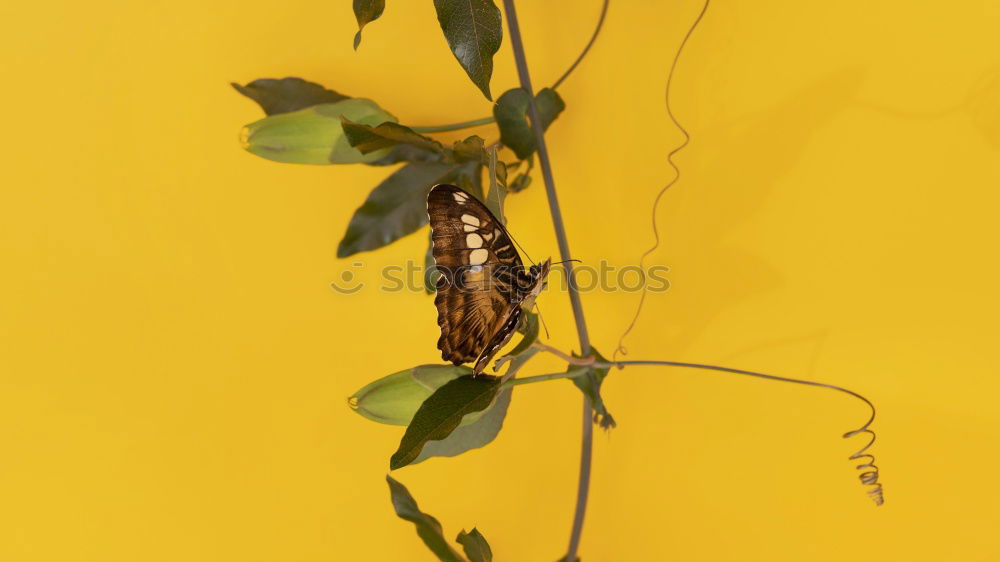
<point x="511" y="236"/>
<point x="565" y="261"/>
<point x="542" y="318"/>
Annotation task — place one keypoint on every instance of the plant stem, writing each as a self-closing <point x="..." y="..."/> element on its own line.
<point x="454" y="126"/>
<point x="574" y="295"/>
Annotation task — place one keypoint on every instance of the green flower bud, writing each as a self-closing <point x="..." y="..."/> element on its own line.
<point x="395" y="398"/>
<point x="313" y="135"/>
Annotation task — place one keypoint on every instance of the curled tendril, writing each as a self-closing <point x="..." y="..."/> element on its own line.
<point x="869" y="475"/>
<point x="677" y="176"/>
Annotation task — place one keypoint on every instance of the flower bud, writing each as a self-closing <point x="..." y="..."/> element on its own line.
<point x="395" y="398"/>
<point x="313" y="135"/>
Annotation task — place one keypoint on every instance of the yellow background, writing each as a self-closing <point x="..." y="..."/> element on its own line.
<point x="175" y="365"/>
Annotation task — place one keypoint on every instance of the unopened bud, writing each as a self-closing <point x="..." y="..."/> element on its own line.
<point x="314" y="135"/>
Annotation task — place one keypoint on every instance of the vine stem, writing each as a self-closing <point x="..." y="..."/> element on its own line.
<point x="454" y="126"/>
<point x="583" y="484"/>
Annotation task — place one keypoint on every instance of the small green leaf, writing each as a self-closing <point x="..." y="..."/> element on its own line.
<point x="369" y="139"/>
<point x="475" y="546"/>
<point x="440" y="414"/>
<point x="511" y="113"/>
<point x="366" y="11"/>
<point x="287" y="94"/>
<point x="470" y="150"/>
<point x="523" y="180"/>
<point x="498" y="186"/>
<point x="393" y="399"/>
<point x="590" y="384"/>
<point x="395" y="208"/>
<point x="313" y="135"/>
<point x="428" y="528"/>
<point x="473" y="30"/>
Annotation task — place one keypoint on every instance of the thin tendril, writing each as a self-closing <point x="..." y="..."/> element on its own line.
<point x="677" y="175"/>
<point x="583" y="53"/>
<point x="869" y="471"/>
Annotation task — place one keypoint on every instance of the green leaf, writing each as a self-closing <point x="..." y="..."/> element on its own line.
<point x="314" y="135"/>
<point x="469" y="176"/>
<point x="511" y="113"/>
<point x="440" y="414"/>
<point x="591" y="386"/>
<point x="523" y="180"/>
<point x="406" y="153"/>
<point x="470" y="150"/>
<point x="478" y="433"/>
<point x="386" y="135"/>
<point x="475" y="546"/>
<point x="428" y="528"/>
<point x="287" y="94"/>
<point x="498" y="186"/>
<point x="366" y="11"/>
<point x="473" y="31"/>
<point x="393" y="399"/>
<point x="395" y="208"/>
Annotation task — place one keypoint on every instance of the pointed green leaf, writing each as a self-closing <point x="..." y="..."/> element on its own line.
<point x="590" y="384"/>
<point x="366" y="11"/>
<point x="473" y="30"/>
<point x="395" y="208"/>
<point x="470" y="150"/>
<point x="440" y="414"/>
<point x="428" y="528"/>
<point x="468" y="436"/>
<point x="313" y="135"/>
<point x="522" y="180"/>
<point x="511" y="113"/>
<point x="475" y="546"/>
<point x="287" y="94"/>
<point x="367" y="138"/>
<point x="498" y="186"/>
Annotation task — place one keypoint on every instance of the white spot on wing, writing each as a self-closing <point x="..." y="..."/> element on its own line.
<point x="473" y="240"/>
<point x="459" y="196"/>
<point x="475" y="269"/>
<point x="469" y="228"/>
<point x="470" y="219"/>
<point x="478" y="256"/>
<point x="487" y="236"/>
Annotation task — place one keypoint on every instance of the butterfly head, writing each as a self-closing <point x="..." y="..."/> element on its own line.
<point x="538" y="279"/>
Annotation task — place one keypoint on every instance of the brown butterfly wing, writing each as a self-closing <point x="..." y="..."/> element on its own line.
<point x="477" y="294"/>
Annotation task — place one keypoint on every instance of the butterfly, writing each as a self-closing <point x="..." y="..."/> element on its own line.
<point x="483" y="287"/>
